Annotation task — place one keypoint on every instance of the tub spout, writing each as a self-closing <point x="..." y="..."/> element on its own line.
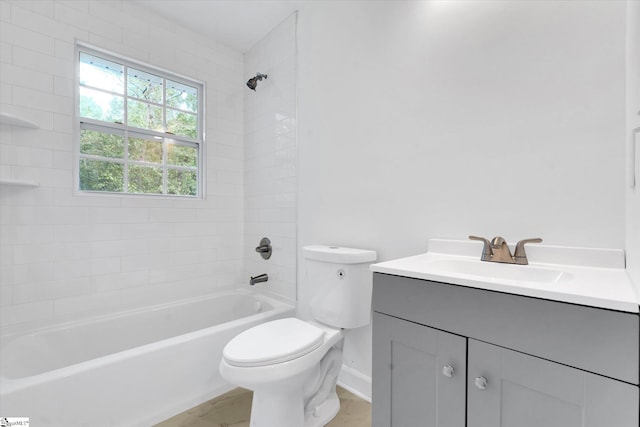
<point x="258" y="279"/>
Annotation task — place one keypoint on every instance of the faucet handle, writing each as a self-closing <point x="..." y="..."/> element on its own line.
<point x="520" y="257"/>
<point x="487" y="253"/>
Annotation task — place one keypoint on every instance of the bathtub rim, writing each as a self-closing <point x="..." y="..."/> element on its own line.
<point x="9" y="385"/>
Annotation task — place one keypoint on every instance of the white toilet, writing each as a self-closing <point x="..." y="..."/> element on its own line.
<point x="292" y="365"/>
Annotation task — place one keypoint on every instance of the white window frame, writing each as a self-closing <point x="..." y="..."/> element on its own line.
<point x="126" y="130"/>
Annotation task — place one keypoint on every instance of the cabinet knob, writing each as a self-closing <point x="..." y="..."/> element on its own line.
<point x="448" y="371"/>
<point x="481" y="383"/>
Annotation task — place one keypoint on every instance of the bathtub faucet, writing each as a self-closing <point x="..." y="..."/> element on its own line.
<point x="258" y="279"/>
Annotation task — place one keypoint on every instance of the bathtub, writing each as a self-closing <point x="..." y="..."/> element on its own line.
<point x="130" y="369"/>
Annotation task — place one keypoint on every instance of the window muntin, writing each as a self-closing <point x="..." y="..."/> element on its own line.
<point x="140" y="128"/>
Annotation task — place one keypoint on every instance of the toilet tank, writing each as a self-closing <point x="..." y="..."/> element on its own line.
<point x="339" y="285"/>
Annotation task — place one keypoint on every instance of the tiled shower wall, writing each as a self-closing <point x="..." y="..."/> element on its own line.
<point x="65" y="255"/>
<point x="270" y="150"/>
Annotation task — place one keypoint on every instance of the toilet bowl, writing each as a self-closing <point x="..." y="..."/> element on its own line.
<point x="286" y="363"/>
<point x="292" y="365"/>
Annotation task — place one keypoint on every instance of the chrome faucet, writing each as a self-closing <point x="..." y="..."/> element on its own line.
<point x="497" y="250"/>
<point x="258" y="279"/>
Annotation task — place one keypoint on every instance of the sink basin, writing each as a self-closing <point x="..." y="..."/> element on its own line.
<point x="497" y="271"/>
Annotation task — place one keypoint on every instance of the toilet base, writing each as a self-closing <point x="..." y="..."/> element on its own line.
<point x="324" y="413"/>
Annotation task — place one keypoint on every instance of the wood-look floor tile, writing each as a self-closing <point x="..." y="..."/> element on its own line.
<point x="233" y="409"/>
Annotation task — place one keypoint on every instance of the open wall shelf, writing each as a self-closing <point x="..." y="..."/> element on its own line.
<point x="10" y="119"/>
<point x="18" y="182"/>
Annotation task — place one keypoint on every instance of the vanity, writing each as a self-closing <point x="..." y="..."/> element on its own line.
<point x="461" y="342"/>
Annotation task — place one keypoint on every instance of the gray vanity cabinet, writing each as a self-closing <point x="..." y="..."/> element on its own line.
<point x="526" y="391"/>
<point x="421" y="372"/>
<point x="515" y="361"/>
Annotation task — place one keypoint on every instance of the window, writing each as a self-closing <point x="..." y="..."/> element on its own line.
<point x="140" y="128"/>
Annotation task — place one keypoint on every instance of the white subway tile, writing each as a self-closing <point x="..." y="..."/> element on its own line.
<point x="63" y="123"/>
<point x="46" y="24"/>
<point x="24" y="254"/>
<point x="41" y="7"/>
<point x="21" y="313"/>
<point x="86" y="233"/>
<point x="66" y="197"/>
<point x="64" y="50"/>
<point x="100" y="266"/>
<point x="147" y="231"/>
<point x="172" y="215"/>
<point x="119" y="215"/>
<point x="80" y="5"/>
<point x="111" y="282"/>
<point x="62" y="160"/>
<point x="6" y="296"/>
<point x="39" y="272"/>
<point x="92" y="24"/>
<point x="56" y="178"/>
<point x="139" y="262"/>
<point x="87" y="304"/>
<point x="36" y="99"/>
<point x="71" y="251"/>
<point x="71" y="269"/>
<point x="38" y="61"/>
<point x="27" y="156"/>
<point x="29" y="39"/>
<point x="6" y="96"/>
<point x="67" y="288"/>
<point x="5" y="52"/>
<point x="5" y="11"/>
<point x="28" y="215"/>
<point x="26" y="234"/>
<point x="42" y="138"/>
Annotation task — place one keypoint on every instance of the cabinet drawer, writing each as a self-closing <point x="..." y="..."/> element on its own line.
<point x="597" y="340"/>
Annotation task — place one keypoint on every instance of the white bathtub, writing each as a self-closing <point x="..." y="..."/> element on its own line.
<point x="130" y="369"/>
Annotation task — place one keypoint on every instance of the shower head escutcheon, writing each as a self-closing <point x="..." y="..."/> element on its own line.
<point x="253" y="81"/>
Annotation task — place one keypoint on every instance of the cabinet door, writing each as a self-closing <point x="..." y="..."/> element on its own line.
<point x="419" y="375"/>
<point x="526" y="391"/>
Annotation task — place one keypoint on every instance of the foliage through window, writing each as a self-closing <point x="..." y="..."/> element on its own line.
<point x="140" y="128"/>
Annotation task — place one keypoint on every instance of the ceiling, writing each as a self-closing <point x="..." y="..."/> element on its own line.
<point x="235" y="23"/>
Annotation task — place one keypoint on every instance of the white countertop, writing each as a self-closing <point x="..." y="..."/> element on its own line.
<point x="586" y="276"/>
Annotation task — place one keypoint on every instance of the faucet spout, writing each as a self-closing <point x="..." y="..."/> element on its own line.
<point x="258" y="279"/>
<point x="500" y="249"/>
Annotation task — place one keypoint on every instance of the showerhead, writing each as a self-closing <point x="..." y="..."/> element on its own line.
<point x="253" y="81"/>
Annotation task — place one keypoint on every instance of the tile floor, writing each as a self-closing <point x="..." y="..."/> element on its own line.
<point x="233" y="409"/>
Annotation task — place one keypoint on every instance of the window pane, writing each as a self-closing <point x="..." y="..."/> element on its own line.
<point x="144" y="86"/>
<point x="180" y="155"/>
<point x="144" y="179"/>
<point x="101" y="144"/>
<point x="144" y="116"/>
<point x="101" y="106"/>
<point x="145" y="150"/>
<point x="183" y="183"/>
<point x="183" y="124"/>
<point x="101" y="73"/>
<point x="182" y="96"/>
<point x="101" y="176"/>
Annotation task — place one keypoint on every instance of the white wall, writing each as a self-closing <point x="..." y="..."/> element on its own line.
<point x="633" y="122"/>
<point x="270" y="167"/>
<point x="444" y="119"/>
<point x="66" y="255"/>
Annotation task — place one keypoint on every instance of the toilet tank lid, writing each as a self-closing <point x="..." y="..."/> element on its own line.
<point x="338" y="254"/>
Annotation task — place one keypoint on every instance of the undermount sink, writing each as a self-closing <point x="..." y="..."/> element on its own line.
<point x="497" y="271"/>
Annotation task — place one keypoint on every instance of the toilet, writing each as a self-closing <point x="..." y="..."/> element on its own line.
<point x="292" y="365"/>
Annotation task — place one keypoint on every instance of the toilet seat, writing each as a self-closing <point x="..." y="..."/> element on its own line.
<point x="273" y="342"/>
